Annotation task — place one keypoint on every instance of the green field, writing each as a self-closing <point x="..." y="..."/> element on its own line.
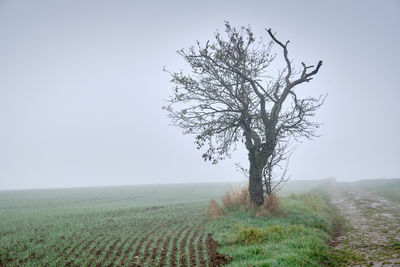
<point x="157" y="225"/>
<point x="120" y="226"/>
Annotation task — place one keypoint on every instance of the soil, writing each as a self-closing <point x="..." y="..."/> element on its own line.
<point x="200" y="251"/>
<point x="216" y="259"/>
<point x="156" y="248"/>
<point x="140" y="245"/>
<point x="192" y="249"/>
<point x="153" y="208"/>
<point x="108" y="253"/>
<point x="173" y="260"/>
<point x="124" y="261"/>
<point x="183" y="246"/>
<point x="209" y="251"/>
<point x="164" y="251"/>
<point x="147" y="251"/>
<point x="373" y="232"/>
<point x="121" y="247"/>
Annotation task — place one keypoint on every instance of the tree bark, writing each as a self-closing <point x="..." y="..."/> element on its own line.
<point x="255" y="178"/>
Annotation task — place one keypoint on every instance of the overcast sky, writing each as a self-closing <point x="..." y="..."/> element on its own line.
<point x="81" y="88"/>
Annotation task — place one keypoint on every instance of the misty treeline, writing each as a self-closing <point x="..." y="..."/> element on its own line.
<point x="231" y="96"/>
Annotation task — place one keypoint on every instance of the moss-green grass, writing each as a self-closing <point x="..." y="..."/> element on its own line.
<point x="298" y="236"/>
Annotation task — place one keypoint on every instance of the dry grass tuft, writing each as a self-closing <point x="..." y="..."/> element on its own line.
<point x="214" y="209"/>
<point x="271" y="206"/>
<point x="236" y="199"/>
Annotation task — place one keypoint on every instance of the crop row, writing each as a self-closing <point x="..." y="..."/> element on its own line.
<point x="170" y="243"/>
<point x="172" y="235"/>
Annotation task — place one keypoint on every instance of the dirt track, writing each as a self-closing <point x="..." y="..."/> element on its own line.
<point x="373" y="231"/>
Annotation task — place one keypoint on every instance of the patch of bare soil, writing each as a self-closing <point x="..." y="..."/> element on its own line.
<point x="3" y="264"/>
<point x="216" y="259"/>
<point x="200" y="252"/>
<point x="192" y="249"/>
<point x="108" y="253"/>
<point x="147" y="251"/>
<point x="183" y="246"/>
<point x="153" y="208"/>
<point x="121" y="247"/>
<point x="164" y="250"/>
<point x="373" y="232"/>
<point x="126" y="256"/>
<point x="173" y="259"/>
<point x="156" y="248"/>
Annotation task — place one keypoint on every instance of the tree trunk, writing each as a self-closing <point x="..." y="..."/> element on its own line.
<point x="255" y="178"/>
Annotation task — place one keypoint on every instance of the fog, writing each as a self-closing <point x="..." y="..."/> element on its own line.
<point x="82" y="86"/>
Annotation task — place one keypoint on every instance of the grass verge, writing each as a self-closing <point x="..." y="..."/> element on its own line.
<point x="298" y="236"/>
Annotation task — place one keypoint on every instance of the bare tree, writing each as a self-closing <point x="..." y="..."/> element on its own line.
<point x="229" y="96"/>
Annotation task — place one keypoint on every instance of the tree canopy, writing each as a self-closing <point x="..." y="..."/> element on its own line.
<point x="230" y="96"/>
